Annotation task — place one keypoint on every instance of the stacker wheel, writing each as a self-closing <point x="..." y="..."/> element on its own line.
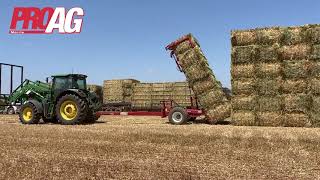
<point x="178" y="116"/>
<point x="71" y="109"/>
<point x="10" y="110"/>
<point x="29" y="114"/>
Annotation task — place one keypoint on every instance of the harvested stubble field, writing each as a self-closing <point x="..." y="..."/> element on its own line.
<point x="150" y="148"/>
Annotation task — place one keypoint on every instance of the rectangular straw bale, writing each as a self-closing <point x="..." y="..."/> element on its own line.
<point x="296" y="68"/>
<point x="243" y="54"/>
<point x="243" y="86"/>
<point x="313" y="34"/>
<point x="244" y="102"/>
<point x="219" y="112"/>
<point x="297" y="102"/>
<point x="269" y="103"/>
<point x="268" y="36"/>
<point x="243" y="118"/>
<point x="191" y="57"/>
<point x="294" y="35"/>
<point x="315" y="52"/>
<point x="200" y="87"/>
<point x="267" y="54"/>
<point x="315" y="86"/>
<point x="211" y="98"/>
<point x="273" y="119"/>
<point x="243" y="71"/>
<point x="296" y="120"/>
<point x="243" y="38"/>
<point x="295" y="86"/>
<point x="197" y="72"/>
<point x="186" y="45"/>
<point x="315" y="68"/>
<point x="300" y="51"/>
<point x="268" y="69"/>
<point x="269" y="86"/>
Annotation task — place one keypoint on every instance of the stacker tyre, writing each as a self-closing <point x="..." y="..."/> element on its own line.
<point x="178" y="116"/>
<point x="29" y="114"/>
<point x="71" y="109"/>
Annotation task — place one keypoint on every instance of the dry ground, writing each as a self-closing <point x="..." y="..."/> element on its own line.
<point x="150" y="148"/>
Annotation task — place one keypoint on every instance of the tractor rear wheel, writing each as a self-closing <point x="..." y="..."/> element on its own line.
<point x="178" y="116"/>
<point x="71" y="109"/>
<point x="29" y="114"/>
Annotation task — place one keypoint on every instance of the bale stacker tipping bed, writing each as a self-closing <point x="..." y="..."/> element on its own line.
<point x="169" y="108"/>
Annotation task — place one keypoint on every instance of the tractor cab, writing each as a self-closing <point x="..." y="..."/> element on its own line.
<point x="69" y="81"/>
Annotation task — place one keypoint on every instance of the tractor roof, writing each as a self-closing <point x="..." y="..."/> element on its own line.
<point x="70" y="75"/>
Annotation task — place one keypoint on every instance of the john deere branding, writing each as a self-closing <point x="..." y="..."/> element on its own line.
<point x="32" y="20"/>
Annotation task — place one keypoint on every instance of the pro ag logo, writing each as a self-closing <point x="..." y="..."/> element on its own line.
<point x="32" y="20"/>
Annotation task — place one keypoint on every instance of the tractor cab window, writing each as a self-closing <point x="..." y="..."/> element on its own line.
<point x="62" y="83"/>
<point x="79" y="83"/>
<point x="70" y="83"/>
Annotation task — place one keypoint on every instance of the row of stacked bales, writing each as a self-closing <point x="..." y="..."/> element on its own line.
<point x="273" y="71"/>
<point x="97" y="90"/>
<point x="201" y="78"/>
<point x="116" y="91"/>
<point x="149" y="95"/>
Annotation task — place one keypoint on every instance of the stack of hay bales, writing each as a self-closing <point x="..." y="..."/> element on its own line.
<point x="115" y="91"/>
<point x="96" y="89"/>
<point x="272" y="72"/>
<point x="149" y="95"/>
<point x="201" y="78"/>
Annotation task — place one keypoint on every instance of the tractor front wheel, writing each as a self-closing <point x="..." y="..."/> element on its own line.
<point x="71" y="109"/>
<point x="29" y="114"/>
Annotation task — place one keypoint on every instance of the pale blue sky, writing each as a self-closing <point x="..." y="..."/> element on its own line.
<point x="126" y="39"/>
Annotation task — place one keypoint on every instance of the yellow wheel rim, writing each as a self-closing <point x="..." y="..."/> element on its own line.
<point x="68" y="110"/>
<point x="27" y="113"/>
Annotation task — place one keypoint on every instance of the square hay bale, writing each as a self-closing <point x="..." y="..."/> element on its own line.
<point x="186" y="45"/>
<point x="296" y="68"/>
<point x="268" y="70"/>
<point x="268" y="36"/>
<point x="197" y="72"/>
<point x="296" y="120"/>
<point x="295" y="86"/>
<point x="297" y="102"/>
<point x="315" y="52"/>
<point x="243" y="71"/>
<point x="243" y="54"/>
<point x="294" y="35"/>
<point x="247" y="103"/>
<point x="243" y="86"/>
<point x="211" y="98"/>
<point x="205" y="85"/>
<point x="269" y="86"/>
<point x="269" y="103"/>
<point x="315" y="86"/>
<point x="267" y="54"/>
<point x="243" y="38"/>
<point x="191" y="57"/>
<point x="315" y="118"/>
<point x="313" y="34"/>
<point x="300" y="51"/>
<point x="219" y="112"/>
<point x="273" y="119"/>
<point x="315" y="68"/>
<point x="243" y="118"/>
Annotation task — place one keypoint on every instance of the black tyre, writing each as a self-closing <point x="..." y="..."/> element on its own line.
<point x="29" y="114"/>
<point x="91" y="117"/>
<point x="71" y="109"/>
<point x="10" y="110"/>
<point x="178" y="116"/>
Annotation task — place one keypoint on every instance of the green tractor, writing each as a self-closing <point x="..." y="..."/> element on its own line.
<point x="65" y="100"/>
